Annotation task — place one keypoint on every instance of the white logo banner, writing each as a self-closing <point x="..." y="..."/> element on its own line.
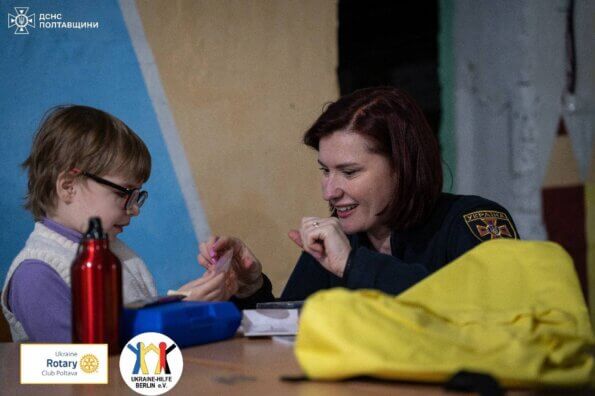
<point x="64" y="364"/>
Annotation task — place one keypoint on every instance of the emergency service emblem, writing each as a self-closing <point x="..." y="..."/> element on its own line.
<point x="490" y="224"/>
<point x="21" y="20"/>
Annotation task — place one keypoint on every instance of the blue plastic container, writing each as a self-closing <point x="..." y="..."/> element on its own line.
<point x="187" y="323"/>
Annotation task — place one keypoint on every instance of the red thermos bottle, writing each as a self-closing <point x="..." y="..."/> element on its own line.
<point x="96" y="279"/>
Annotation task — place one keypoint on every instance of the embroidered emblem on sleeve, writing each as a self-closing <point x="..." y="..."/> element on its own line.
<point x="490" y="224"/>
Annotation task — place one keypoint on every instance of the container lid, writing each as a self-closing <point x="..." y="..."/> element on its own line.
<point x="95" y="230"/>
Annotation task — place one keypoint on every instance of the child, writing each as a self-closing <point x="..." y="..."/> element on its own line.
<point x="83" y="163"/>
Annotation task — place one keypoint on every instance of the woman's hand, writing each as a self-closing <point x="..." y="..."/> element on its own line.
<point x="324" y="239"/>
<point x="245" y="266"/>
<point x="211" y="287"/>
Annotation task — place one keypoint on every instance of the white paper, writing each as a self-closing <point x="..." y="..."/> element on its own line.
<point x="285" y="339"/>
<point x="270" y="322"/>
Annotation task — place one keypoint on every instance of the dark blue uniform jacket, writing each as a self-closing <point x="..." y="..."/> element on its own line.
<point x="456" y="225"/>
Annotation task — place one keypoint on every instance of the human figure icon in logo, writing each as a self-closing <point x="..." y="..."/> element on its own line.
<point x="163" y="351"/>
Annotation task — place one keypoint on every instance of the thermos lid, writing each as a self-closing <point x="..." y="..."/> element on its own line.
<point x="95" y="230"/>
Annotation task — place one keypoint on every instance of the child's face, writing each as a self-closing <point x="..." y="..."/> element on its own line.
<point x="95" y="199"/>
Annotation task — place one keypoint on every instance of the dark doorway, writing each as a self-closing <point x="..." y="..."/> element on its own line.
<point x="391" y="43"/>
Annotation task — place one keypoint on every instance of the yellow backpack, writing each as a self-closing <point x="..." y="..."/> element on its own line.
<point x="509" y="308"/>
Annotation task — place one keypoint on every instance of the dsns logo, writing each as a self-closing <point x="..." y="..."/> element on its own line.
<point x="151" y="364"/>
<point x="21" y="20"/>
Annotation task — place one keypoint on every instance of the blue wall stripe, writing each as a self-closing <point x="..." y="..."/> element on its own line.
<point x="95" y="67"/>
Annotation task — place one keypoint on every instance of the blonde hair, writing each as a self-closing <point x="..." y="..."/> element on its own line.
<point x="85" y="138"/>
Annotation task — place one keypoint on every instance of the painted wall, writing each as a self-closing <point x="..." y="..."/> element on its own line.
<point x="221" y="92"/>
<point x="244" y="80"/>
<point x="96" y="67"/>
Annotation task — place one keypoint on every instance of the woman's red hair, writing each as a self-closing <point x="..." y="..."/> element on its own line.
<point x="397" y="128"/>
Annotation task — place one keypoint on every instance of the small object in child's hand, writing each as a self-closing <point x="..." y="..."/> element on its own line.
<point x="182" y="293"/>
<point x="223" y="263"/>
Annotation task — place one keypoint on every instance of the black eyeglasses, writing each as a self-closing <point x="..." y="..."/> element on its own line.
<point x="135" y="196"/>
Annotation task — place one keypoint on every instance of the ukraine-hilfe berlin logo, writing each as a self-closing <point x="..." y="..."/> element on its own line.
<point x="151" y="364"/>
<point x="21" y="21"/>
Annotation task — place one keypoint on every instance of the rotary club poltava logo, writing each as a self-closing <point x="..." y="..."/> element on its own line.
<point x="89" y="363"/>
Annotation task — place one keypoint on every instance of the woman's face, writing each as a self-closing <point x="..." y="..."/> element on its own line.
<point x="357" y="182"/>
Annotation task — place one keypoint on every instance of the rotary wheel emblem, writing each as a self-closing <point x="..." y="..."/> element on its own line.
<point x="89" y="363"/>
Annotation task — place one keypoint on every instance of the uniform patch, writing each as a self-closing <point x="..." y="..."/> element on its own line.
<point x="490" y="224"/>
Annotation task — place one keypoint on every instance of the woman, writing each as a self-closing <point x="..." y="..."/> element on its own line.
<point x="390" y="224"/>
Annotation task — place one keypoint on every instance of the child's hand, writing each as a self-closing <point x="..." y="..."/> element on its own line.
<point x="245" y="265"/>
<point x="231" y="284"/>
<point x="211" y="287"/>
<point x="206" y="255"/>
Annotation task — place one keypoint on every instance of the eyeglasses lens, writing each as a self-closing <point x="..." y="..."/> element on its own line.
<point x="137" y="198"/>
<point x="142" y="197"/>
<point x="132" y="200"/>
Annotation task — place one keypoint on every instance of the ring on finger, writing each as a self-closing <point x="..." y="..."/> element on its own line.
<point x="316" y="224"/>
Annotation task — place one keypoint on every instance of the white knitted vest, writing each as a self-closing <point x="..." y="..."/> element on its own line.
<point x="59" y="252"/>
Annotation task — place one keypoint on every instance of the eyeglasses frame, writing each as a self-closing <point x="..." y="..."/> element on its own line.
<point x="142" y="194"/>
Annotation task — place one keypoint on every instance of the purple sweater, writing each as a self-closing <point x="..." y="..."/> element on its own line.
<point x="40" y="299"/>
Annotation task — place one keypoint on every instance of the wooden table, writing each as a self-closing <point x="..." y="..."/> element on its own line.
<point x="238" y="366"/>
